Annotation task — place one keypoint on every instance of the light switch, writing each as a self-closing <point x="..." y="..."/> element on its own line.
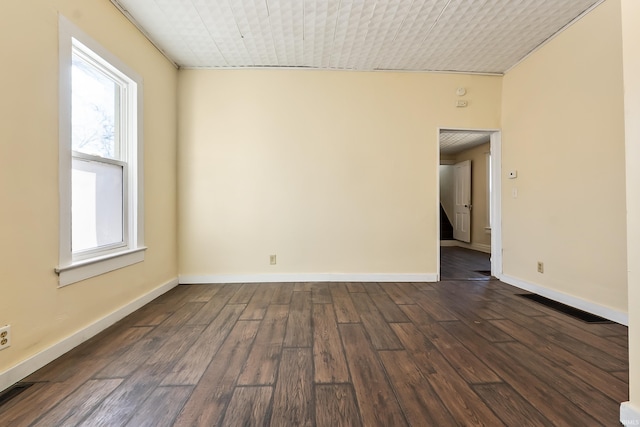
<point x="514" y="193"/>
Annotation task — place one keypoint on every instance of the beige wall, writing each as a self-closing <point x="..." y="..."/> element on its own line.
<point x="563" y="131"/>
<point x="631" y="51"/>
<point x="479" y="186"/>
<point x="335" y="172"/>
<point x="40" y="313"/>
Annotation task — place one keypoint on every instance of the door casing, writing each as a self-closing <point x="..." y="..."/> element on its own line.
<point x="496" y="197"/>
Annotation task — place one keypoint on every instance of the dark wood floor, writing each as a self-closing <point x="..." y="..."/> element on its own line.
<point x="461" y="263"/>
<point x="341" y="354"/>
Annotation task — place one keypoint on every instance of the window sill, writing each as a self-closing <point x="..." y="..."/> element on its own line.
<point x="85" y="269"/>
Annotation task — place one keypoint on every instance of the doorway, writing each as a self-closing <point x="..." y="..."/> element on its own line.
<point x="475" y="252"/>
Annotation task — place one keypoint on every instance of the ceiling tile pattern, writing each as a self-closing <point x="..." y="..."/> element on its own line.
<point x="484" y="36"/>
<point x="454" y="142"/>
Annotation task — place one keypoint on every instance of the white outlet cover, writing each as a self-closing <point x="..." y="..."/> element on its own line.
<point x="7" y="329"/>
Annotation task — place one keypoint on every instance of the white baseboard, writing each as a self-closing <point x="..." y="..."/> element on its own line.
<point x="473" y="246"/>
<point x="37" y="361"/>
<point x="308" y="277"/>
<point x="588" y="306"/>
<point x="629" y="414"/>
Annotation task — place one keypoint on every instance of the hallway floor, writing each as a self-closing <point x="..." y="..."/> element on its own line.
<point x="460" y="263"/>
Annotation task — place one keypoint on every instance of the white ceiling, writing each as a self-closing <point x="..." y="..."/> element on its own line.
<point x="480" y="36"/>
<point x="454" y="142"/>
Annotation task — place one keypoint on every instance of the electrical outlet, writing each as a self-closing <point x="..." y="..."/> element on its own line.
<point x="540" y="267"/>
<point x="272" y="259"/>
<point x="5" y="337"/>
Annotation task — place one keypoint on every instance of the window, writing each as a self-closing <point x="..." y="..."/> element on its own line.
<point x="100" y="160"/>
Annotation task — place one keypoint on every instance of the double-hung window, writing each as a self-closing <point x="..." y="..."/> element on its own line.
<point x="100" y="159"/>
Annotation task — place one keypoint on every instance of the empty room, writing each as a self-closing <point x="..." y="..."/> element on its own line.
<point x="232" y="212"/>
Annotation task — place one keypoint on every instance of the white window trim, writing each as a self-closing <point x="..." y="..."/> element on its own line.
<point x="74" y="269"/>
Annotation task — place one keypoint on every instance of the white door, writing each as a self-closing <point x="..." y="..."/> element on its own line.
<point x="462" y="201"/>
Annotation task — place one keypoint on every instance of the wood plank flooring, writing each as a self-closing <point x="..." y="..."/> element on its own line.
<point x="458" y="263"/>
<point x="336" y="354"/>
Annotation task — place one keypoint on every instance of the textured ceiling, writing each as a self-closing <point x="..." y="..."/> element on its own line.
<point x="483" y="36"/>
<point x="454" y="142"/>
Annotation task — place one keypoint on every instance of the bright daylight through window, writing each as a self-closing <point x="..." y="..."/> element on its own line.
<point x="98" y="184"/>
<point x="100" y="159"/>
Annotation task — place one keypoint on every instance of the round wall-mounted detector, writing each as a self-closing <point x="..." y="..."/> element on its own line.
<point x="461" y="91"/>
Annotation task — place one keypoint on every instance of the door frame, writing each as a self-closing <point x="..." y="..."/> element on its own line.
<point x="495" y="144"/>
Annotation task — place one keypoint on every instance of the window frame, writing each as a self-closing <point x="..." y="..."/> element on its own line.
<point x="82" y="265"/>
